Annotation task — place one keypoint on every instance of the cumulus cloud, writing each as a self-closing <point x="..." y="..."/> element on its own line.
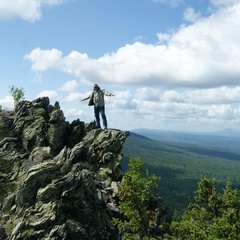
<point x="220" y="95"/>
<point x="204" y="96"/>
<point x="53" y="95"/>
<point x="199" y="107"/>
<point x="7" y="102"/>
<point x="121" y="100"/>
<point x="30" y="10"/>
<point x="69" y="86"/>
<point x="148" y="94"/>
<point x="204" y="54"/>
<point x="188" y="113"/>
<point x="190" y="15"/>
<point x="74" y="97"/>
<point x="164" y="38"/>
<point x="73" y="112"/>
<point x="44" y="59"/>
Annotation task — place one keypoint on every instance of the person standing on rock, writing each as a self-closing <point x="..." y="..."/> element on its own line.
<point x="97" y="100"/>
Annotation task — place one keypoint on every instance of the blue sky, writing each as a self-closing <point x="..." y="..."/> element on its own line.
<point x="172" y="64"/>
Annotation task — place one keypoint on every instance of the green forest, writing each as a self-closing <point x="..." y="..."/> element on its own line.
<point x="212" y="216"/>
<point x="180" y="165"/>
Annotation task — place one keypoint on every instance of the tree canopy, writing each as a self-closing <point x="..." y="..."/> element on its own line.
<point x="213" y="217"/>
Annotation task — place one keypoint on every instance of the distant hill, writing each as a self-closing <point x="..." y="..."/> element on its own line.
<point x="180" y="159"/>
<point x="228" y="138"/>
<point x="228" y="132"/>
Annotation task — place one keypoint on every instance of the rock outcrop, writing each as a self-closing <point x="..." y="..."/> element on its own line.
<point x="58" y="180"/>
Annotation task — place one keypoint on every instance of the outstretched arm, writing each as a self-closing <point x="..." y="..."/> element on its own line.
<point x="86" y="98"/>
<point x="107" y="93"/>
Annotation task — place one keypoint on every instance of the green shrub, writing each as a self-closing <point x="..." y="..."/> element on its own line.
<point x="17" y="94"/>
<point x="141" y="208"/>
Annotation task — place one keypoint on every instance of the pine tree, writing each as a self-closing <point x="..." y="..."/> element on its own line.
<point x="141" y="208"/>
<point x="213" y="216"/>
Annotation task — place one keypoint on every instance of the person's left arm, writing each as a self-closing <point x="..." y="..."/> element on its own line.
<point x="107" y="93"/>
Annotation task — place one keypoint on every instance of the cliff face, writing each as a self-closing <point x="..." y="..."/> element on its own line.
<point x="57" y="180"/>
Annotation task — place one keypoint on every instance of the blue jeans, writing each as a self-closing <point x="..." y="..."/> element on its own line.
<point x="97" y="111"/>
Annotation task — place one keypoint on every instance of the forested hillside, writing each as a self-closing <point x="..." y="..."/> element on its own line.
<point x="181" y="165"/>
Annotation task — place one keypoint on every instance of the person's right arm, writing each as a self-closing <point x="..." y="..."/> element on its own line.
<point x="86" y="98"/>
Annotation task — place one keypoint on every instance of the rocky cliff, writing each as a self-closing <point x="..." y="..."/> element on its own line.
<point x="58" y="180"/>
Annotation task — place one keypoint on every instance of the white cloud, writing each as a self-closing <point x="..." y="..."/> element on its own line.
<point x="122" y="94"/>
<point x="224" y="112"/>
<point x="7" y="102"/>
<point x="73" y="112"/>
<point x="204" y="54"/>
<point x="121" y="101"/>
<point x="44" y="59"/>
<point x="188" y="114"/>
<point x="53" y="95"/>
<point x="221" y="95"/>
<point x="204" y="96"/>
<point x="30" y="10"/>
<point x="163" y="37"/>
<point x="69" y="86"/>
<point x="191" y="16"/>
<point x="219" y="3"/>
<point x="147" y="94"/>
<point x="75" y="97"/>
<point x="190" y="108"/>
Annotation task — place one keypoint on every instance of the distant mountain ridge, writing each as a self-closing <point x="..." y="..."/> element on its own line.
<point x="228" y="138"/>
<point x="228" y="132"/>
